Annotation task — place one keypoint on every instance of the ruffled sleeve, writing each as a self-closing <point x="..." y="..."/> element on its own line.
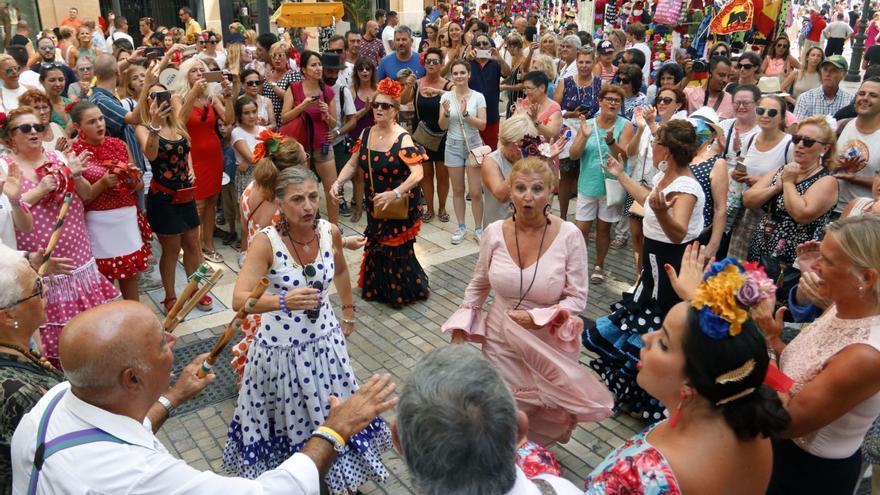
<point x="413" y="155"/>
<point x="469" y="317"/>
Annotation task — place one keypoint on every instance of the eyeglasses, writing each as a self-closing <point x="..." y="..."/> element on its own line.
<point x="38" y="292"/>
<point x="12" y="70"/>
<point x="84" y="69"/>
<point x="746" y="66"/>
<point x="40" y="107"/>
<point x="808" y="142"/>
<point x="432" y="61"/>
<point x="253" y="84"/>
<point x="744" y="104"/>
<point x="27" y="128"/>
<point x="665" y="100"/>
<point x="382" y="105"/>
<point x="771" y="112"/>
<point x="612" y="101"/>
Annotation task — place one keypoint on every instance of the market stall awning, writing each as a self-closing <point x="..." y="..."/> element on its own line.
<point x="298" y="15"/>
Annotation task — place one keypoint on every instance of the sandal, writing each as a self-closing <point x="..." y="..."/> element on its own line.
<point x="427" y="216"/>
<point x="206" y="303"/>
<point x="356" y="212"/>
<point x="618" y="243"/>
<point x="168" y="303"/>
<point x="598" y="275"/>
<point x="443" y="216"/>
<point x="212" y="256"/>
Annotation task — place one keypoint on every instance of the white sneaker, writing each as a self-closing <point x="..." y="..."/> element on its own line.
<point x="478" y="233"/>
<point x="458" y="235"/>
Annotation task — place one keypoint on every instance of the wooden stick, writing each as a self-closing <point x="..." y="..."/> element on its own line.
<point x="188" y="291"/>
<point x="56" y="234"/>
<point x="195" y="298"/>
<point x="233" y="326"/>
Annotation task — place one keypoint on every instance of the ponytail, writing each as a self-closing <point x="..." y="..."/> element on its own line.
<point x="265" y="177"/>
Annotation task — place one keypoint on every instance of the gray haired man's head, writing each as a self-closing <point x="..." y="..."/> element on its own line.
<point x="457" y="425"/>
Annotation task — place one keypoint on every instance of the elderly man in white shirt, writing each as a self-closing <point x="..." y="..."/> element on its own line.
<point x="457" y="428"/>
<point x="93" y="434"/>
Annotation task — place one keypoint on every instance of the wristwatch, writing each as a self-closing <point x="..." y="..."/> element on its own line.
<point x="166" y="404"/>
<point x="397" y="193"/>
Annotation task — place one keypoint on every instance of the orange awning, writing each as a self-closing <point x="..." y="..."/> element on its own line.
<point x="298" y="15"/>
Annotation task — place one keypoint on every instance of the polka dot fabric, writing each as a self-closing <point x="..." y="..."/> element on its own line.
<point x="83" y="288"/>
<point x="293" y="366"/>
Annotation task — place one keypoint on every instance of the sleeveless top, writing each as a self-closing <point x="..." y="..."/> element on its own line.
<point x="170" y="166"/>
<point x="702" y="172"/>
<point x="807" y="355"/>
<point x="428" y="109"/>
<point x="635" y="467"/>
<point x="366" y="121"/>
<point x="683" y="184"/>
<point x="493" y="209"/>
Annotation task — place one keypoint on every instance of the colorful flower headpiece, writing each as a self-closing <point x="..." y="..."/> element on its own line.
<point x="535" y="146"/>
<point x="728" y="290"/>
<point x="269" y="141"/>
<point x="390" y="88"/>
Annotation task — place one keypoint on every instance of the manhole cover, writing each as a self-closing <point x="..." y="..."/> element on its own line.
<point x="224" y="386"/>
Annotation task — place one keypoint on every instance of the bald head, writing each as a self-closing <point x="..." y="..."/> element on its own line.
<point x="98" y="345"/>
<point x="105" y="67"/>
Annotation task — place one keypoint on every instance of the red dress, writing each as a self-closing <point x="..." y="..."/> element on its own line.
<point x="108" y="232"/>
<point x="206" y="152"/>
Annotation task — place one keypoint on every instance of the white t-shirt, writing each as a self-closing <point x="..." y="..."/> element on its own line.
<point x="759" y="162"/>
<point x="119" y="36"/>
<point x="30" y="78"/>
<point x="687" y="185"/>
<point x="10" y="96"/>
<point x="853" y="143"/>
<point x="838" y="29"/>
<point x="239" y="134"/>
<point x="388" y="38"/>
<point x="476" y="100"/>
<point x="7" y="228"/>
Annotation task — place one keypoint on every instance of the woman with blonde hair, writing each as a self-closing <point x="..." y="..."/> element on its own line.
<point x="277" y="80"/>
<point x="531" y="332"/>
<point x="131" y="84"/>
<point x="797" y="198"/>
<point x="234" y="48"/>
<point x="497" y="166"/>
<point x="82" y="46"/>
<point x="807" y="77"/>
<point x="193" y="104"/>
<point x="543" y="63"/>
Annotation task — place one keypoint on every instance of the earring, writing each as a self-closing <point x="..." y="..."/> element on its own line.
<point x="282" y="226"/>
<point x="676" y="416"/>
<point x="15" y="324"/>
<point x="547" y="210"/>
<point x="512" y="208"/>
<point x="663" y="165"/>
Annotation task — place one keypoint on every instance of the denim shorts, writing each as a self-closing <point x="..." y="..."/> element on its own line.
<point x="457" y="151"/>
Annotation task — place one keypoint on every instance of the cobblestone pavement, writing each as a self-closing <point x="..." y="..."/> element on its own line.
<point x="392" y="341"/>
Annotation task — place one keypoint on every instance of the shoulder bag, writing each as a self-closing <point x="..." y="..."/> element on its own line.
<point x="397" y="209"/>
<point x="301" y="128"/>
<point x="475" y="155"/>
<point x="423" y="135"/>
<point x="614" y="193"/>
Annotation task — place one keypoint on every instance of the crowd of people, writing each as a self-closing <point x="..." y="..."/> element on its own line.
<point x="743" y="177"/>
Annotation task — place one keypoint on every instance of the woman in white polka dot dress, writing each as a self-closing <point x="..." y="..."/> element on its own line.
<point x="84" y="287"/>
<point x="298" y="357"/>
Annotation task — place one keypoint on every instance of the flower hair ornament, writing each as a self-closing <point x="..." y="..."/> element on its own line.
<point x="69" y="107"/>
<point x="4" y="120"/>
<point x="728" y="291"/>
<point x="390" y="87"/>
<point x="269" y="141"/>
<point x="535" y="146"/>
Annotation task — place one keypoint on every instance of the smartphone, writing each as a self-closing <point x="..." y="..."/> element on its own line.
<point x="213" y="76"/>
<point x="404" y="73"/>
<point x="740" y="167"/>
<point x="189" y="50"/>
<point x="154" y="52"/>
<point x="484" y="53"/>
<point x="316" y="97"/>
<point x="162" y="97"/>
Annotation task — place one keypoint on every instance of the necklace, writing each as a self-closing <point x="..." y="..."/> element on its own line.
<point x="33" y="357"/>
<point x="309" y="270"/>
<point x="307" y="246"/>
<point x="522" y="295"/>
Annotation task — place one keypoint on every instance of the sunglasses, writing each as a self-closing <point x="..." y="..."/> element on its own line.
<point x="200" y="42"/>
<point x="12" y="70"/>
<point x="38" y="292"/>
<point x="482" y="43"/>
<point x="335" y="50"/>
<point x="252" y="84"/>
<point x="665" y="100"/>
<point x="624" y="81"/>
<point x="366" y="68"/>
<point x="40" y="107"/>
<point x="746" y="66"/>
<point x="84" y="69"/>
<point x="27" y="128"/>
<point x="382" y="105"/>
<point x="771" y="112"/>
<point x="782" y="46"/>
<point x="720" y="54"/>
<point x="433" y="61"/>
<point x="47" y="48"/>
<point x="808" y="142"/>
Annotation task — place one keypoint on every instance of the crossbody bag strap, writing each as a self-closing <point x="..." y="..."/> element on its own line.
<point x="544" y="486"/>
<point x="461" y="123"/>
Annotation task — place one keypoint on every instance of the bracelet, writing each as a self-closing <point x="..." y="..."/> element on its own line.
<point x="282" y="304"/>
<point x="330" y="435"/>
<point x="154" y="130"/>
<point x="397" y="194"/>
<point x="352" y="307"/>
<point x="347" y="322"/>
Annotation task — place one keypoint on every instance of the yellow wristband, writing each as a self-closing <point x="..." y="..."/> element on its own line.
<point x="332" y="433"/>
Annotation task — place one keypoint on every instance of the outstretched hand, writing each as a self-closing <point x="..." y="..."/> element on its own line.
<point x="353" y="415"/>
<point x="690" y="274"/>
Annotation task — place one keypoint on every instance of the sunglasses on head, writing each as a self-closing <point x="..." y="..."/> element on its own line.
<point x="253" y="84"/>
<point x="382" y="105"/>
<point x="38" y="292"/>
<point x="27" y="128"/>
<point x="808" y="142"/>
<point x="771" y="112"/>
<point x="665" y="100"/>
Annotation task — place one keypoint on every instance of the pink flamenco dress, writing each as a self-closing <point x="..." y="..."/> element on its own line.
<point x="81" y="289"/>
<point x="871" y="34"/>
<point x="540" y="366"/>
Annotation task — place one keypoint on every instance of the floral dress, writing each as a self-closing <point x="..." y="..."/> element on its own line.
<point x="634" y="468"/>
<point x="778" y="234"/>
<point x="81" y="289"/>
<point x="294" y="366"/>
<point x="390" y="272"/>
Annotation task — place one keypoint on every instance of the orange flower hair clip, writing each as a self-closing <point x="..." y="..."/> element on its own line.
<point x="269" y="143"/>
<point x="391" y="88"/>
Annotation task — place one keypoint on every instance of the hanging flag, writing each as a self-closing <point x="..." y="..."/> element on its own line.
<point x="734" y="17"/>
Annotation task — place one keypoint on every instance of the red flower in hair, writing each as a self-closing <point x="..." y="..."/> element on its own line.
<point x="391" y="88"/>
<point x="69" y="106"/>
<point x="269" y="143"/>
<point x="3" y="119"/>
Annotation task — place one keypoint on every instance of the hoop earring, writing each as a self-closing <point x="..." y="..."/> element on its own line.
<point x="512" y="208"/>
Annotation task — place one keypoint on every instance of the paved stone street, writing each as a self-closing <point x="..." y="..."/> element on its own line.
<point x="392" y="341"/>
